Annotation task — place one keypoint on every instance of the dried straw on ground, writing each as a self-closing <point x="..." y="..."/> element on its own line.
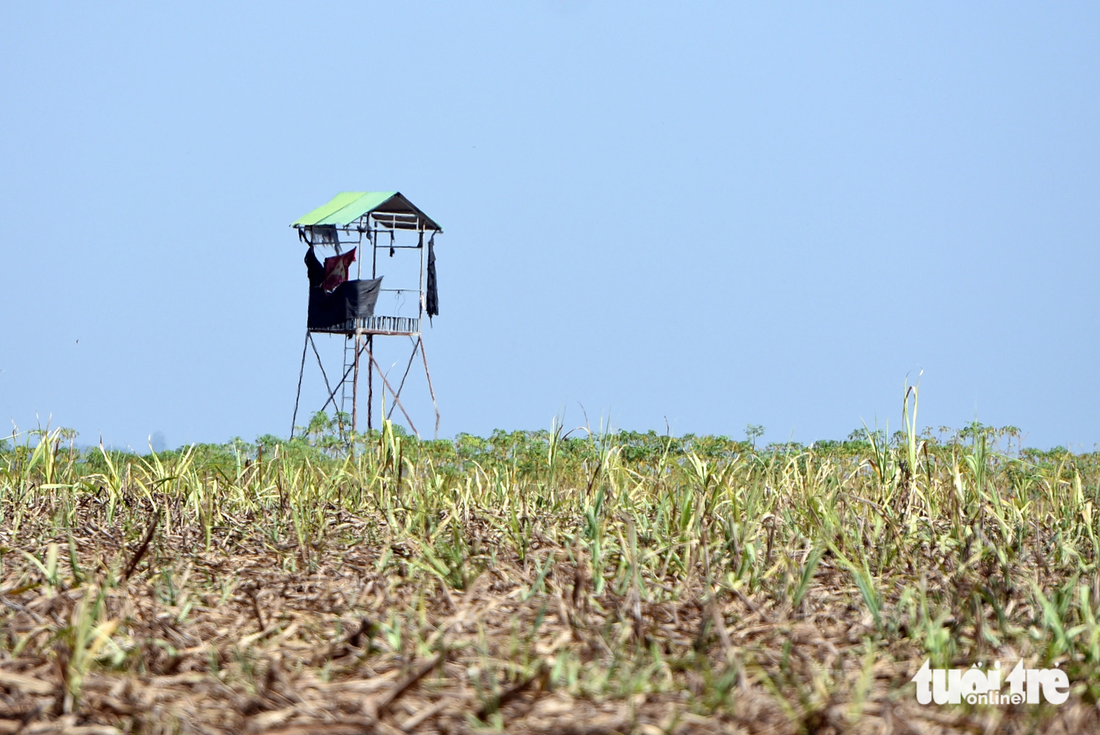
<point x="408" y="589"/>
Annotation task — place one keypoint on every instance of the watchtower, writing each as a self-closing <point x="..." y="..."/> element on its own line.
<point x="362" y="309"/>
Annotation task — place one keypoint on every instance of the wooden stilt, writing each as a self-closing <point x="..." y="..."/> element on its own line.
<point x="370" y="381"/>
<point x="355" y="389"/>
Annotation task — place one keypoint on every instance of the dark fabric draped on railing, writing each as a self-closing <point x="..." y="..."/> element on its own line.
<point x="350" y="301"/>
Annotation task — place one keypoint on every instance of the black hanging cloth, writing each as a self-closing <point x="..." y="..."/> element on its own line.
<point x="314" y="269"/>
<point x="432" y="297"/>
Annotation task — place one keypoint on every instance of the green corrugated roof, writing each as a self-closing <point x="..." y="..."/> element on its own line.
<point x="348" y="206"/>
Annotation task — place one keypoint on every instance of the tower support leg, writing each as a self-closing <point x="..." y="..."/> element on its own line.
<point x="396" y="400"/>
<point x="431" y="390"/>
<point x="370" y="381"/>
<point x="355" y="389"/>
<point x="298" y="395"/>
<point x="416" y="346"/>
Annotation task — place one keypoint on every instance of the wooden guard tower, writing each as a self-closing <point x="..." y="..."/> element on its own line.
<point x="345" y="234"/>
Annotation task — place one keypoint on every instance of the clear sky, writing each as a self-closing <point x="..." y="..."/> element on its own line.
<point x="730" y="214"/>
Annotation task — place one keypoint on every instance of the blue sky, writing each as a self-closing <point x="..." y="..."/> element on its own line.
<point x="739" y="214"/>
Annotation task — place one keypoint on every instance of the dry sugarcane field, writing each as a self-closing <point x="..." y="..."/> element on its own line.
<point x="543" y="582"/>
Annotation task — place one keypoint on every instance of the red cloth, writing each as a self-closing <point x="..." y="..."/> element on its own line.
<point x="336" y="269"/>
